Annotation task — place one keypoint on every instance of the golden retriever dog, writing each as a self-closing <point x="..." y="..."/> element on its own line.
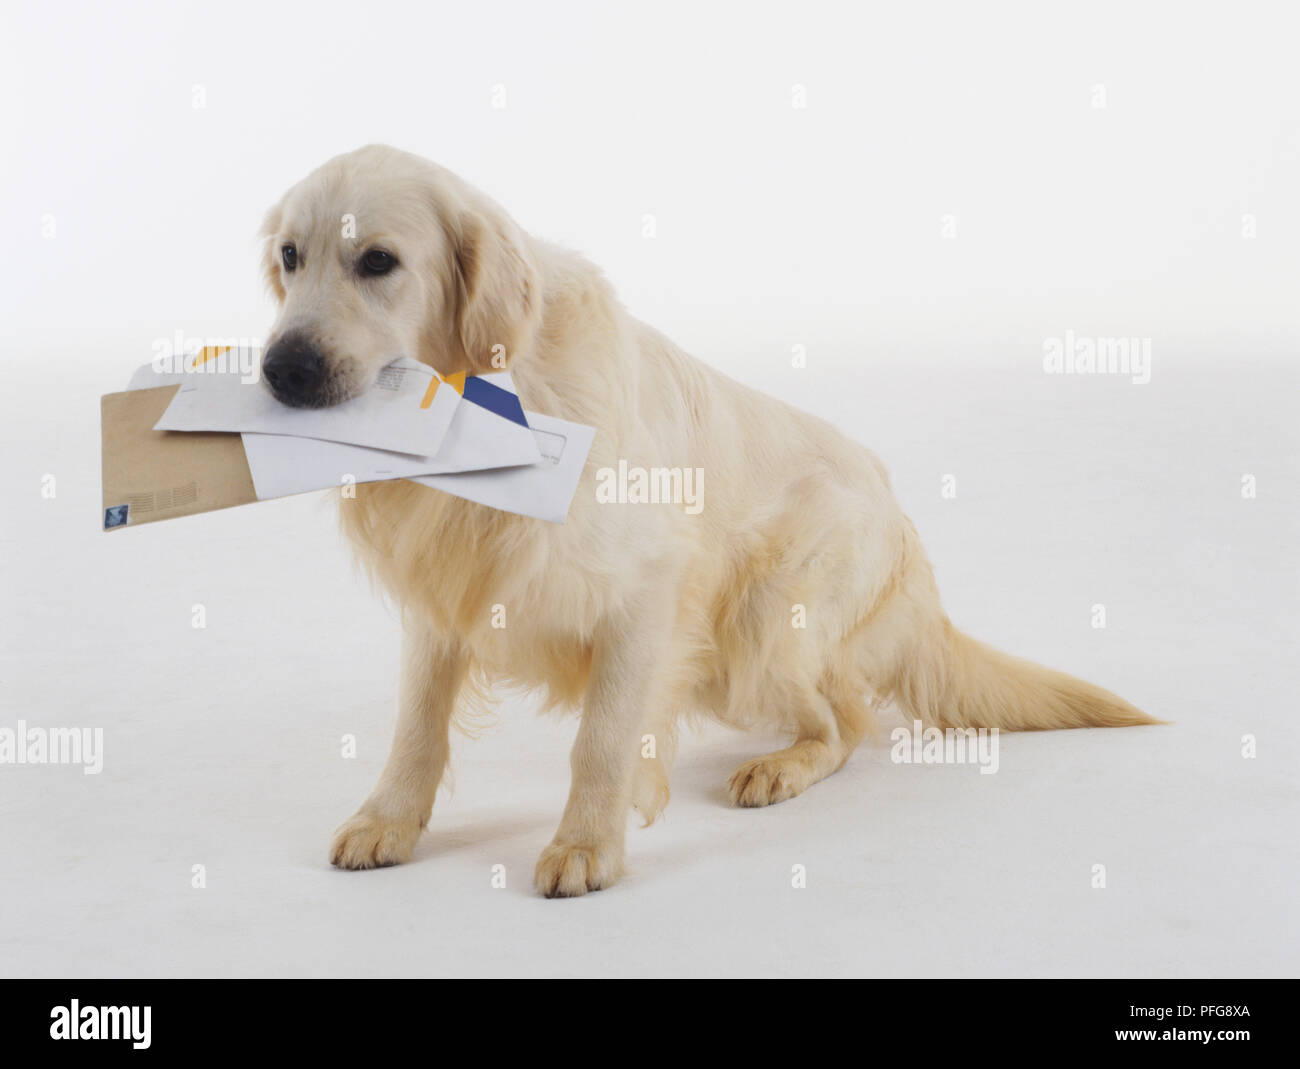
<point x="798" y="598"/>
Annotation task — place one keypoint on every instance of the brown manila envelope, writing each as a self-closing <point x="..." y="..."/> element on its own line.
<point x="156" y="475"/>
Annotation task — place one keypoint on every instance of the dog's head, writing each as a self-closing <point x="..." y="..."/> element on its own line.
<point x="379" y="254"/>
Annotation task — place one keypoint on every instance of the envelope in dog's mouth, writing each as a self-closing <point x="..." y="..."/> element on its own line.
<point x="490" y="450"/>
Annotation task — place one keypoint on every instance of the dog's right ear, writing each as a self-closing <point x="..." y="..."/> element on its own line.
<point x="270" y="251"/>
<point x="498" y="292"/>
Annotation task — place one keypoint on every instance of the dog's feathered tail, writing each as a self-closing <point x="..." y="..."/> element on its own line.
<point x="955" y="681"/>
<point x="946" y="678"/>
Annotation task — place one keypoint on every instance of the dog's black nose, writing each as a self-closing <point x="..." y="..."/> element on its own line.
<point x="295" y="370"/>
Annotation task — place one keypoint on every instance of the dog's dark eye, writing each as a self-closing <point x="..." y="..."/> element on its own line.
<point x="290" y="257"/>
<point x="377" y="262"/>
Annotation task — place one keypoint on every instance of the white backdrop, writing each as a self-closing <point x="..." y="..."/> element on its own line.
<point x="921" y="197"/>
<point x="1129" y="215"/>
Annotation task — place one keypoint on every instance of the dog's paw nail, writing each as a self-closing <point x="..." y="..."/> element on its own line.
<point x="569" y="870"/>
<point x="369" y="842"/>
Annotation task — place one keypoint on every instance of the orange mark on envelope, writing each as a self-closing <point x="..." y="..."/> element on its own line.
<point x="456" y="382"/>
<point x="427" y="400"/>
<point x="209" y="352"/>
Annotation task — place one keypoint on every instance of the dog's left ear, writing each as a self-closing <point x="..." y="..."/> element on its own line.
<point x="270" y="251"/>
<point x="498" y="290"/>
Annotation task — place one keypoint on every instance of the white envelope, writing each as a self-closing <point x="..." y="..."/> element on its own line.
<point x="476" y="440"/>
<point x="397" y="413"/>
<point x="543" y="490"/>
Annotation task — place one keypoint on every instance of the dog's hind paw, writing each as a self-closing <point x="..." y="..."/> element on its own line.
<point x="371" y="842"/>
<point x="566" y="870"/>
<point x="765" y="781"/>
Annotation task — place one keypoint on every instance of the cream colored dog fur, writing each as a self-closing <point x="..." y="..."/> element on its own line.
<point x="635" y="614"/>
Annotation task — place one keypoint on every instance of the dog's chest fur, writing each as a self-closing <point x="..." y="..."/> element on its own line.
<point x="516" y="593"/>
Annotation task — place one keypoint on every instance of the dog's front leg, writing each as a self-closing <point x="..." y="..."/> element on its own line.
<point x="384" y="830"/>
<point x="626" y="677"/>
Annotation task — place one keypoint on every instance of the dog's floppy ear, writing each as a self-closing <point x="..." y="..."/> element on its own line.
<point x="270" y="250"/>
<point x="498" y="291"/>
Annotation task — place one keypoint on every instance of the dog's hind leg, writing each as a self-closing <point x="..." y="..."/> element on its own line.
<point x="384" y="830"/>
<point x="824" y="743"/>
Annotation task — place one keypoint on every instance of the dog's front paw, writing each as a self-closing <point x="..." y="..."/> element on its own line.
<point x="368" y="842"/>
<point x="566" y="870"/>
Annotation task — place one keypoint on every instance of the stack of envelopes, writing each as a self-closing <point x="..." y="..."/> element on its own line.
<point x="211" y="436"/>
